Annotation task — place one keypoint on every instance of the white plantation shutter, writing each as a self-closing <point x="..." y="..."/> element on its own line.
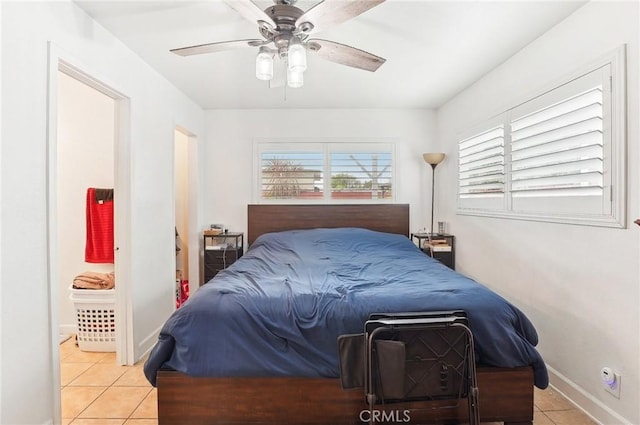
<point x="291" y="175"/>
<point x="558" y="150"/>
<point x="559" y="156"/>
<point x="361" y="171"/>
<point x="481" y="167"/>
<point x="325" y="172"/>
<point x="560" y="146"/>
<point x="481" y="164"/>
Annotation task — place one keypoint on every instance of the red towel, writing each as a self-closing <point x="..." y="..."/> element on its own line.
<point x="99" y="248"/>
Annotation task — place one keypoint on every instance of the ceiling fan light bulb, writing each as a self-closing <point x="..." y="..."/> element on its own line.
<point x="297" y="57"/>
<point x="264" y="65"/>
<point x="294" y="79"/>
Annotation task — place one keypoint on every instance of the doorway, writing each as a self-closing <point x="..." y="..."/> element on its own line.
<point x="85" y="159"/>
<point x="186" y="210"/>
<point x="181" y="197"/>
<point x="114" y="134"/>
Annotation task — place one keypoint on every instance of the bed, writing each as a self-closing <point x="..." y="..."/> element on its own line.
<point x="265" y="352"/>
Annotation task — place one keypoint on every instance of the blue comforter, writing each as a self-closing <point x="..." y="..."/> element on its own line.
<point x="279" y="309"/>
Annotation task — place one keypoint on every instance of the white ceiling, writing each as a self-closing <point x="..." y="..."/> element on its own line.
<point x="434" y="49"/>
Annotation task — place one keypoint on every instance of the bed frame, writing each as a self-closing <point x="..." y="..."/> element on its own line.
<point x="506" y="395"/>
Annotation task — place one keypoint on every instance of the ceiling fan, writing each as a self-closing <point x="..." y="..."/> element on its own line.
<point x="286" y="29"/>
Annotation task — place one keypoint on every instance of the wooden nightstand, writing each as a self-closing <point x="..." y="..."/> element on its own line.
<point x="220" y="251"/>
<point x="444" y="252"/>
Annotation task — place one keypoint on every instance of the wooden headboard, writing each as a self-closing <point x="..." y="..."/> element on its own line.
<point x="390" y="218"/>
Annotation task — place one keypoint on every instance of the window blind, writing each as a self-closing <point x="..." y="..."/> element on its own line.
<point x="291" y="175"/>
<point x="558" y="150"/>
<point x="564" y="152"/>
<point x="361" y="175"/>
<point x="341" y="171"/>
<point x="481" y="164"/>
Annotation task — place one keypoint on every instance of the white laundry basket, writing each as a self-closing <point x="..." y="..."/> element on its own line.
<point x="96" y="318"/>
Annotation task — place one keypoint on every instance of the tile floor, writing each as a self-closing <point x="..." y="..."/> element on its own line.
<point x="95" y="391"/>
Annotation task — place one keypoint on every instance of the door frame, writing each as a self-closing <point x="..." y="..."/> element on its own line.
<point x="60" y="60"/>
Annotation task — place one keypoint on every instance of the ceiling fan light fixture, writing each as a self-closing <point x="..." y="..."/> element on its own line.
<point x="264" y="64"/>
<point x="287" y="28"/>
<point x="294" y="79"/>
<point x="297" y="56"/>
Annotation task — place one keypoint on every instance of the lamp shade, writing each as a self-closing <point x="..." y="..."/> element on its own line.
<point x="264" y="64"/>
<point x="433" y="158"/>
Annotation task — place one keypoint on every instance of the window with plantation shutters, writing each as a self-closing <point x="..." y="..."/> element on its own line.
<point x="325" y="172"/>
<point x="557" y="157"/>
<point x="481" y="167"/>
<point x="291" y="175"/>
<point x="559" y="149"/>
<point x="481" y="164"/>
<point x="364" y="173"/>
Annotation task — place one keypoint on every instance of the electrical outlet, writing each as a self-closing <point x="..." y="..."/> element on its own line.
<point x="611" y="381"/>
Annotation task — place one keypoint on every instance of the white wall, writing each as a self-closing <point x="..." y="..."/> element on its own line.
<point x="229" y="157"/>
<point x="579" y="285"/>
<point x="156" y="109"/>
<point x="1" y="203"/>
<point x="86" y="132"/>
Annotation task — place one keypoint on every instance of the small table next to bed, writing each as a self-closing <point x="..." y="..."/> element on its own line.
<point x="445" y="252"/>
<point x="220" y="251"/>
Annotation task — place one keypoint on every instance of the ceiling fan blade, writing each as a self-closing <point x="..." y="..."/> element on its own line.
<point x="333" y="12"/>
<point x="250" y="11"/>
<point x="347" y="55"/>
<point x="216" y="47"/>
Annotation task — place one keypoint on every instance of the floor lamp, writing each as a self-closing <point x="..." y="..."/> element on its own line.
<point x="433" y="159"/>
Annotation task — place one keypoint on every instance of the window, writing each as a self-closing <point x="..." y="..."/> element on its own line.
<point x="556" y="157"/>
<point x="481" y="171"/>
<point x="325" y="172"/>
<point x="558" y="151"/>
<point x="291" y="175"/>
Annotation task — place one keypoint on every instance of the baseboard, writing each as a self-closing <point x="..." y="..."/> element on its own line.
<point x="68" y="329"/>
<point x="142" y="349"/>
<point x="592" y="407"/>
<point x="145" y="346"/>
